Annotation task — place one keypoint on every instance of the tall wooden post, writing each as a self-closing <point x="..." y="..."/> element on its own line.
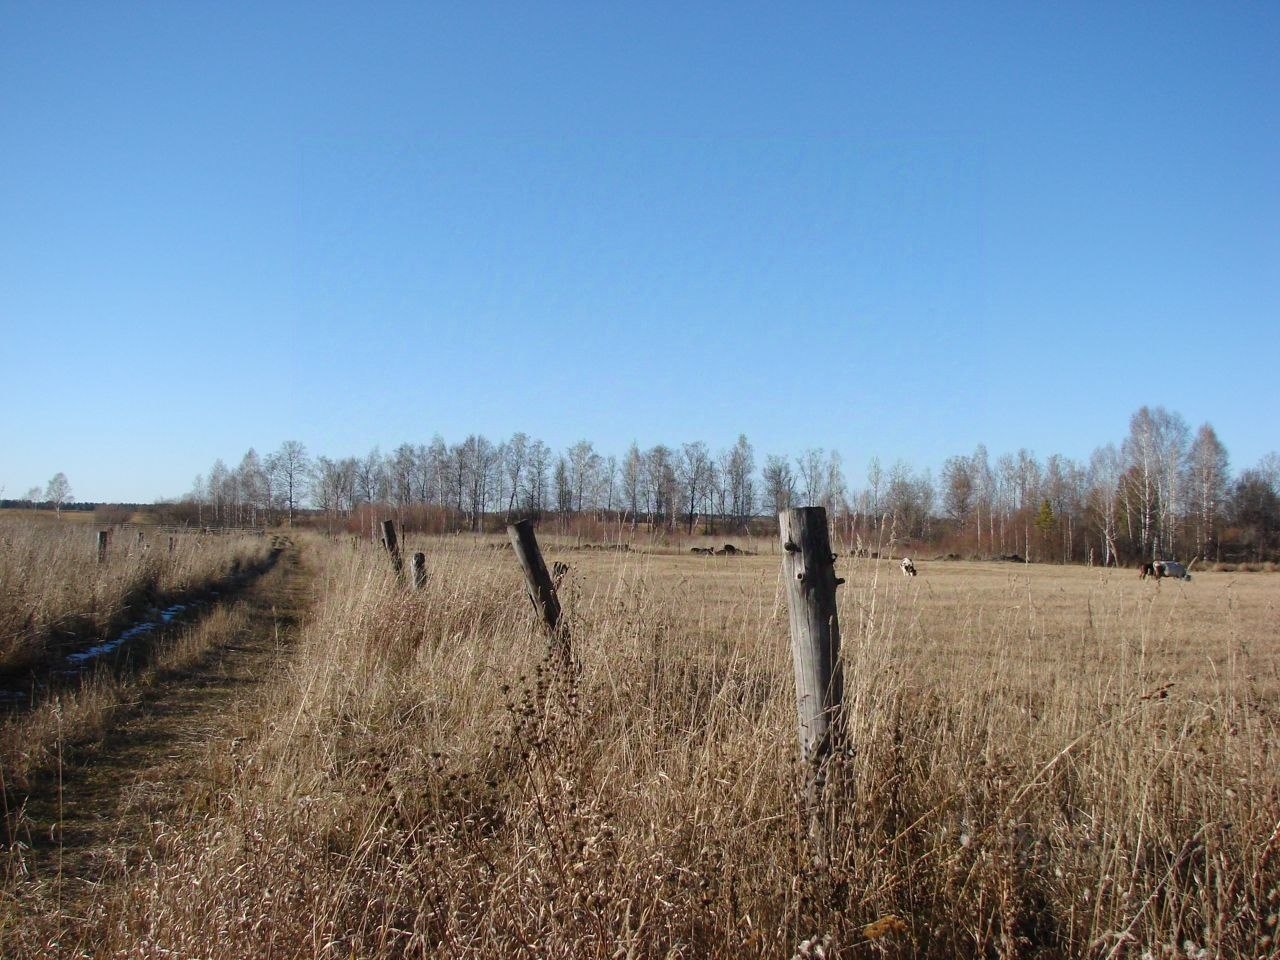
<point x="542" y="592"/>
<point x="102" y="546"/>
<point x="392" y="544"/>
<point x="419" y="570"/>
<point x="809" y="568"/>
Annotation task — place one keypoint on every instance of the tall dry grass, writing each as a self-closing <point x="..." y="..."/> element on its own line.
<point x="54" y="594"/>
<point x="1044" y="764"/>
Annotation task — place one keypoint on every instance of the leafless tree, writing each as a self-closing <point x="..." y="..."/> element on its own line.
<point x="58" y="492"/>
<point x="515" y="461"/>
<point x="738" y="466"/>
<point x="608" y="481"/>
<point x="984" y="490"/>
<point x="661" y="485"/>
<point x="252" y="484"/>
<point x="779" y="483"/>
<point x="1208" y="479"/>
<point x="400" y="468"/>
<point x="290" y="467"/>
<point x="875" y="477"/>
<point x="1269" y="468"/>
<point x="1155" y="451"/>
<point x="958" y="489"/>
<point x="834" y="494"/>
<point x="1106" y="472"/>
<point x="479" y="464"/>
<point x="534" y="495"/>
<point x="333" y="486"/>
<point x="693" y="472"/>
<point x="583" y="464"/>
<point x="371" y="478"/>
<point x="632" y="481"/>
<point x="810" y="467"/>
<point x="564" y="486"/>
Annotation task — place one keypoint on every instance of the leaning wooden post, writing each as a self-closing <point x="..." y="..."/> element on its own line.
<point x="419" y="570"/>
<point x="392" y="544"/>
<point x="542" y="592"/>
<point x="809" y="568"/>
<point x="102" y="546"/>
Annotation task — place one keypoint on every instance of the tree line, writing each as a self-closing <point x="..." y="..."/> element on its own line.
<point x="1161" y="492"/>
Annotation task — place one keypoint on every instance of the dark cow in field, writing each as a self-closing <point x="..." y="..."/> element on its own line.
<point x="558" y="572"/>
<point x="908" y="568"/>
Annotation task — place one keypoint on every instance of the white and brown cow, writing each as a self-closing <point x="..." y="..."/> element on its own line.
<point x="1165" y="568"/>
<point x="908" y="568"/>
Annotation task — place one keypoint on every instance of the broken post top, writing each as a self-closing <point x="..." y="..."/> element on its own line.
<point x="392" y="543"/>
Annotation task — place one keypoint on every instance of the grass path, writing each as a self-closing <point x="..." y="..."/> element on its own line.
<point x="95" y="814"/>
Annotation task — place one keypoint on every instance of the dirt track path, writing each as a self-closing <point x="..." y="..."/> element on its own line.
<point x="99" y="812"/>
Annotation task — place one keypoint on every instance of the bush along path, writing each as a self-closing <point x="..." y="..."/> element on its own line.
<point x="88" y="775"/>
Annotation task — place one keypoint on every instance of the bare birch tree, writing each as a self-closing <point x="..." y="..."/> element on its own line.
<point x="1207" y="483"/>
<point x="290" y="468"/>
<point x="58" y="492"/>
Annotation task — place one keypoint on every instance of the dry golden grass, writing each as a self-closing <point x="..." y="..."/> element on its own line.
<point x="1048" y="762"/>
<point x="54" y="595"/>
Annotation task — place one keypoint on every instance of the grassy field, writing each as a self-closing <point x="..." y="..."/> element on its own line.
<point x="56" y="596"/>
<point x="1044" y="762"/>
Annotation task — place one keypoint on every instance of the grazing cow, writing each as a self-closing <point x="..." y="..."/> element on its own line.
<point x="706" y="551"/>
<point x="1166" y="568"/>
<point x="908" y="568"/>
<point x="1146" y="570"/>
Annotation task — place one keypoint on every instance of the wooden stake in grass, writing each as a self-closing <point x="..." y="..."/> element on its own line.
<point x="102" y="546"/>
<point x="542" y="591"/>
<point x="392" y="544"/>
<point x="808" y="566"/>
<point x="419" y="570"/>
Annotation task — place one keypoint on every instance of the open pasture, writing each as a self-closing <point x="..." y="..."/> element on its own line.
<point x="1032" y="628"/>
<point x="1045" y="762"/>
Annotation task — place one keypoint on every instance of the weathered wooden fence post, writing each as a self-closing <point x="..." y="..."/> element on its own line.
<point x="542" y="592"/>
<point x="392" y="544"/>
<point x="102" y="546"/>
<point x="419" y="570"/>
<point x="809" y="568"/>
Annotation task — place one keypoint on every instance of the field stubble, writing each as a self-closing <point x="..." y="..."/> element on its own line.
<point x="1054" y="762"/>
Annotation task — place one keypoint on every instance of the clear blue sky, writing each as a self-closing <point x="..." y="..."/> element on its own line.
<point x="886" y="229"/>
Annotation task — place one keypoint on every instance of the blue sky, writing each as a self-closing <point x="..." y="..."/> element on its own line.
<point x="886" y="229"/>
